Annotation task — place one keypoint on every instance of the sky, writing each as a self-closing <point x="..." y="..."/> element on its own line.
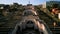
<point x="24" y="2"/>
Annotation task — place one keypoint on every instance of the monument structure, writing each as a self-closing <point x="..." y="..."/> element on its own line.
<point x="30" y="23"/>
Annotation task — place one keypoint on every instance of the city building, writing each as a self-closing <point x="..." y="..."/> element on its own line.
<point x="50" y="3"/>
<point x="44" y="5"/>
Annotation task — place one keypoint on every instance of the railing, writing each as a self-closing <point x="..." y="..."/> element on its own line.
<point x="55" y="30"/>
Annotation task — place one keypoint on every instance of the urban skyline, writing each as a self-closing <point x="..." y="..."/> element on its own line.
<point x="24" y="2"/>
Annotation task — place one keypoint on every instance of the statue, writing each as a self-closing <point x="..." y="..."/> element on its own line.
<point x="31" y="24"/>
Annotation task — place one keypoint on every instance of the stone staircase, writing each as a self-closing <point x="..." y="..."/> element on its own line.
<point x="5" y="30"/>
<point x="48" y="18"/>
<point x="7" y="27"/>
<point x="55" y="30"/>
